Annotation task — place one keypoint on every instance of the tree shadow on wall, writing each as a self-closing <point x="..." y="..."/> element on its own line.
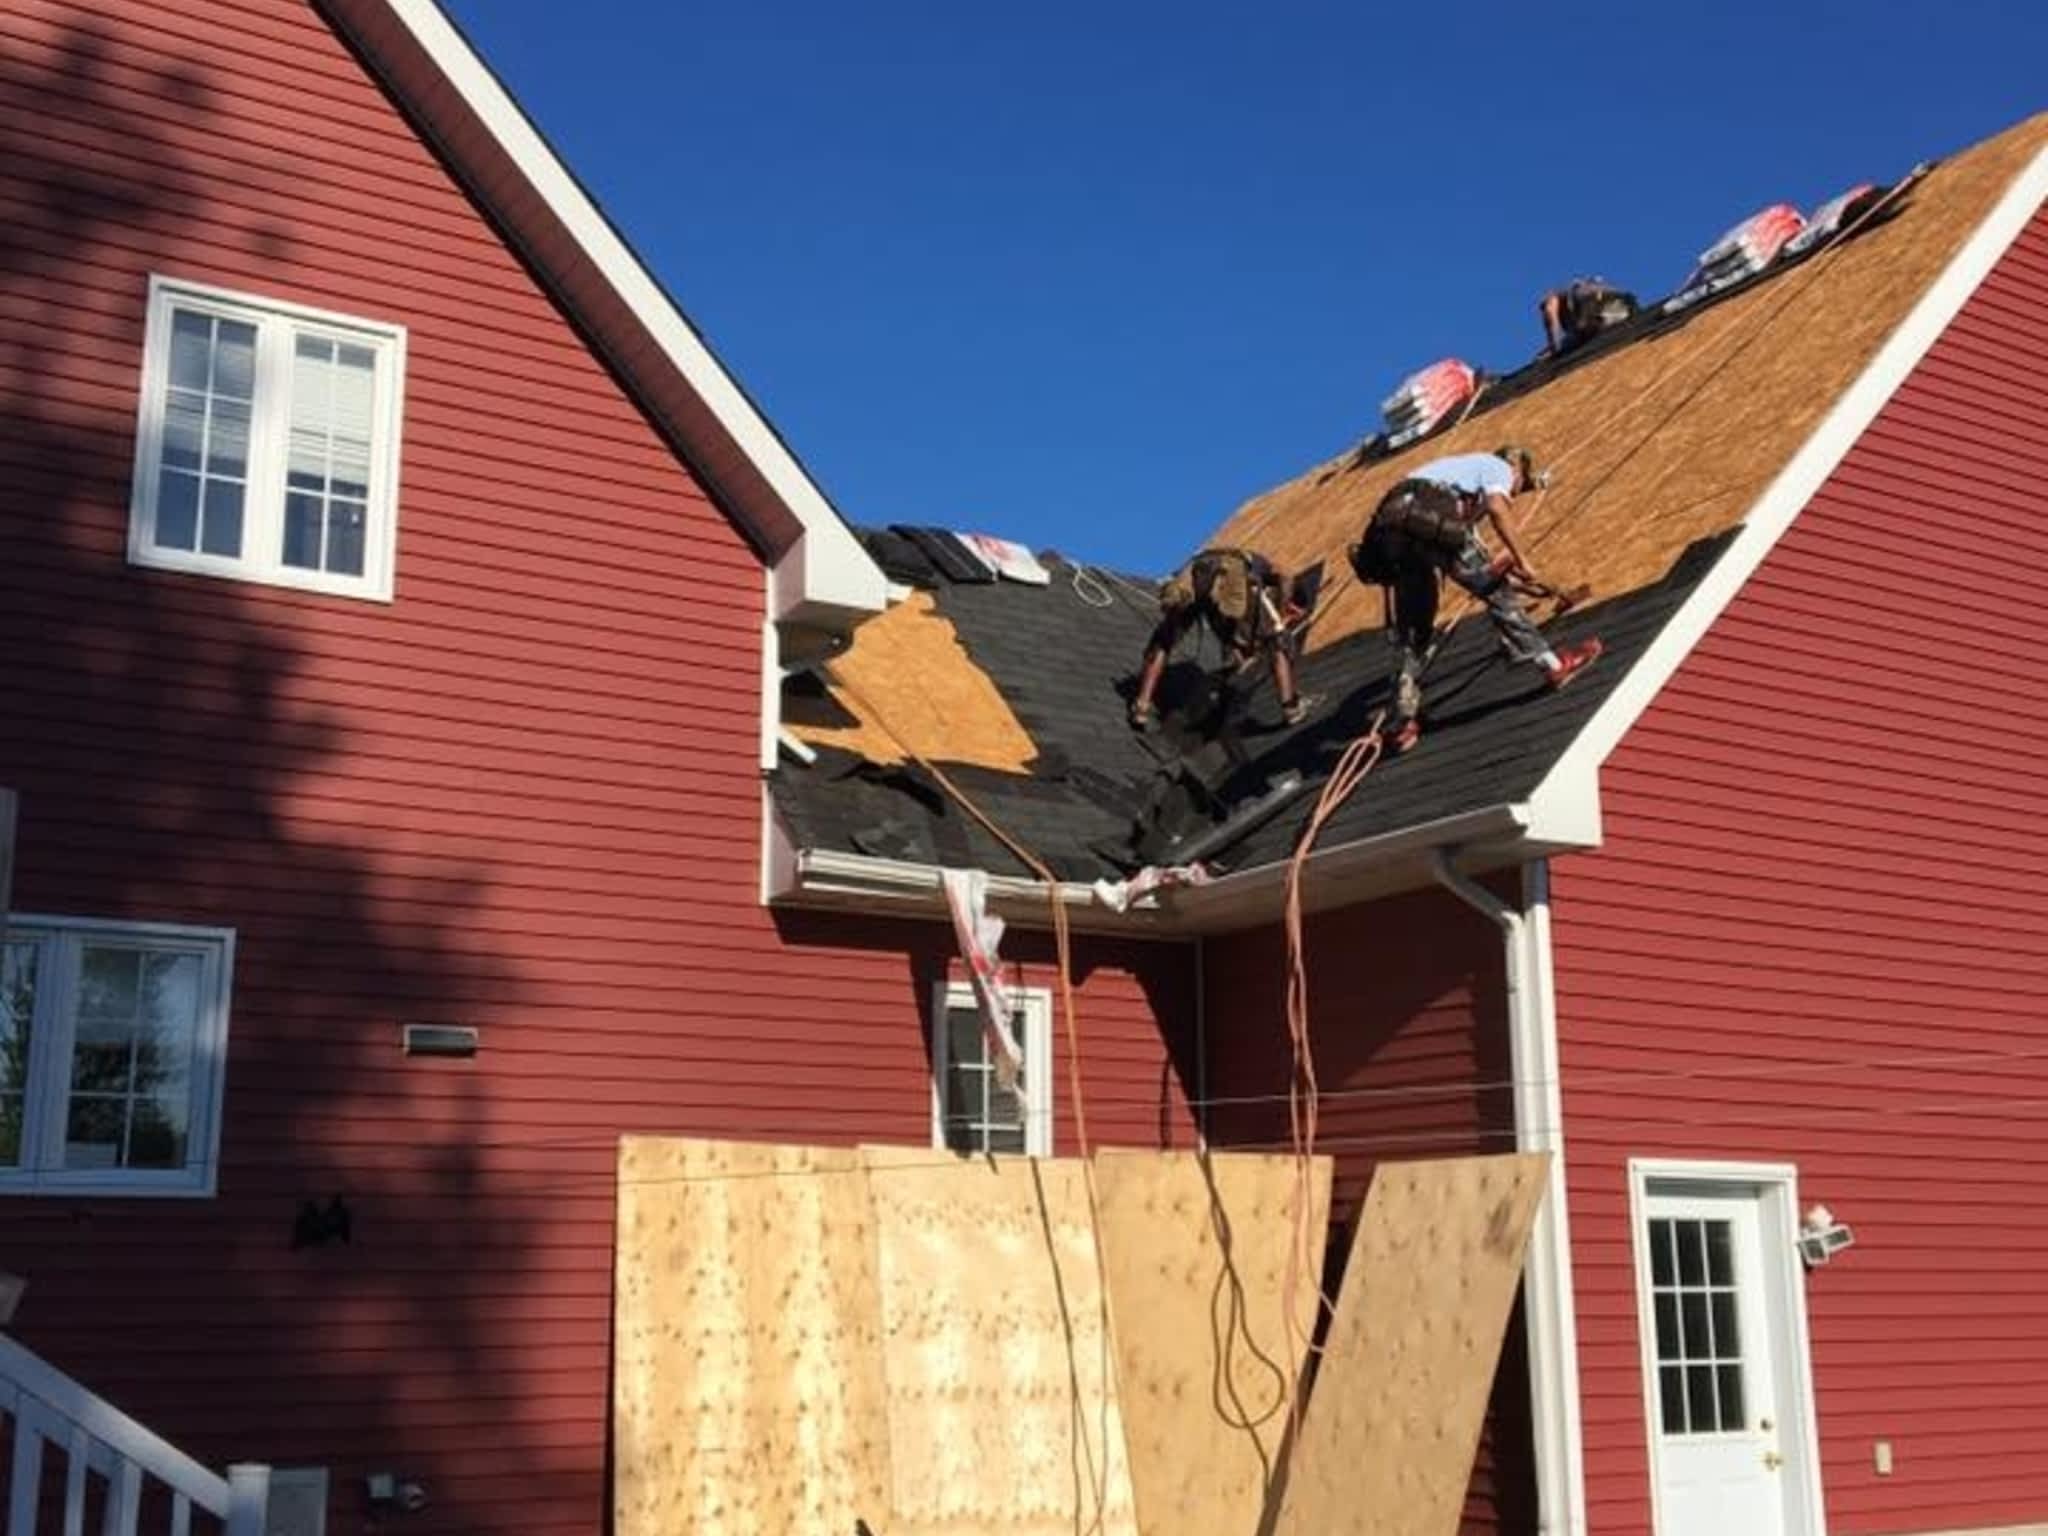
<point x="178" y="744"/>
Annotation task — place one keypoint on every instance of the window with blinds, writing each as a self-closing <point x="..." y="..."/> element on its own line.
<point x="267" y="444"/>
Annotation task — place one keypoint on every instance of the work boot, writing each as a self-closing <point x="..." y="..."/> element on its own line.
<point x="1573" y="660"/>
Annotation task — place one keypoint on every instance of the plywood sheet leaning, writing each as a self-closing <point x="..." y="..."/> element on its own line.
<point x="1393" y="1419"/>
<point x="1002" y="1410"/>
<point x="747" y="1366"/>
<point x="907" y="676"/>
<point x="1670" y="439"/>
<point x="1195" y="1251"/>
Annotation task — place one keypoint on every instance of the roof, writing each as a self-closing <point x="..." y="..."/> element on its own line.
<point x="1683" y="445"/>
<point x="820" y="574"/>
<point x="1669" y="433"/>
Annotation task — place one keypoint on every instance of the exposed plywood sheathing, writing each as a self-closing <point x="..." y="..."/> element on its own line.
<point x="1195" y="1252"/>
<point x="907" y="666"/>
<point x="747" y="1382"/>
<point x="1673" y="438"/>
<point x="1393" y="1418"/>
<point x="1002" y="1410"/>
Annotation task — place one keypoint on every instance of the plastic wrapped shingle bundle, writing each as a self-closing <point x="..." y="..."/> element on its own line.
<point x="1749" y="247"/>
<point x="1425" y="398"/>
<point x="1831" y="215"/>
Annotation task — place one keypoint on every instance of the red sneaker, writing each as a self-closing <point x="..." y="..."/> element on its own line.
<point x="1403" y="737"/>
<point x="1573" y="660"/>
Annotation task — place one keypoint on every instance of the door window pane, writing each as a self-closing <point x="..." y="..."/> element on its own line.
<point x="1696" y="1307"/>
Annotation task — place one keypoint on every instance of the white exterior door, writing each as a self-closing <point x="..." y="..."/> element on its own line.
<point x="1729" y="1415"/>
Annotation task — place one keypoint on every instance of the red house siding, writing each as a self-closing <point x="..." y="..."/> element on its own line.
<point x="1825" y="853"/>
<point x="524" y="796"/>
<point x="1408" y="1020"/>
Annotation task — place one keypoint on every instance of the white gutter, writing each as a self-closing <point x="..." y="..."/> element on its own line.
<point x="1539" y="1127"/>
<point x="822" y="869"/>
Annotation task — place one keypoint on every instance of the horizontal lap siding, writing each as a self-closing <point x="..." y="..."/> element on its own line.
<point x="524" y="796"/>
<point x="1408" y="1027"/>
<point x="1816" y="935"/>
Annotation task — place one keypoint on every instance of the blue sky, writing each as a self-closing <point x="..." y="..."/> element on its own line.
<point x="1088" y="275"/>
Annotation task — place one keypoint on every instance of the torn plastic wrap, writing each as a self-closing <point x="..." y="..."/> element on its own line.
<point x="980" y="933"/>
<point x="1121" y="895"/>
<point x="1011" y="561"/>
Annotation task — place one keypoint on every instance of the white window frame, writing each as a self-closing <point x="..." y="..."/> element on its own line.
<point x="277" y="323"/>
<point x="49" y="1077"/>
<point x="1035" y="1003"/>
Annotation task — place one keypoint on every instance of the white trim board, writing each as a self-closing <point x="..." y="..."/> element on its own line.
<point x="821" y="574"/>
<point x="1778" y="1185"/>
<point x="1787" y="495"/>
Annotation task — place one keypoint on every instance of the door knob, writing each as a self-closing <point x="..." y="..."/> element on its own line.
<point x="1766" y="1425"/>
<point x="1773" y="1460"/>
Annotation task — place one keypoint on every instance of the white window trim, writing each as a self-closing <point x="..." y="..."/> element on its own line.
<point x="49" y="1084"/>
<point x="1036" y="1039"/>
<point x="1784" y="1276"/>
<point x="262" y="560"/>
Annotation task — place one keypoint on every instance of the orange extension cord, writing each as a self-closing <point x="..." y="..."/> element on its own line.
<point x="1358" y="760"/>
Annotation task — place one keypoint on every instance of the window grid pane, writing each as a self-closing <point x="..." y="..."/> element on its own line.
<point x="1697" y="1321"/>
<point x="17" y="1016"/>
<point x="137" y="1021"/>
<point x="978" y="1114"/>
<point x="209" y="400"/>
<point x="327" y="481"/>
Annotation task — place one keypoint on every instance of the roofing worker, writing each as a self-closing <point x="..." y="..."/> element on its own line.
<point x="1244" y="601"/>
<point x="1427" y="526"/>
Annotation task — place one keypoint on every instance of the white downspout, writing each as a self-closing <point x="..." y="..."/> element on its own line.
<point x="1539" y="1127"/>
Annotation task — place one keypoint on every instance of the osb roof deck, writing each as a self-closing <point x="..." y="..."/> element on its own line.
<point x="1669" y="439"/>
<point x="1661" y="443"/>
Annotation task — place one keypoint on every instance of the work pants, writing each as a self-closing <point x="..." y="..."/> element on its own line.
<point x="1414" y="615"/>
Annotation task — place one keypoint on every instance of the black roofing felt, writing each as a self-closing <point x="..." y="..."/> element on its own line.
<point x="1066" y="661"/>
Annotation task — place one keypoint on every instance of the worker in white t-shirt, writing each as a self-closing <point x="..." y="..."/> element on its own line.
<point x="1427" y="526"/>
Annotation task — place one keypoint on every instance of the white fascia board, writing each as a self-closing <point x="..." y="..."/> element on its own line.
<point x="1796" y="484"/>
<point x="824" y="576"/>
<point x="1341" y="873"/>
<point x="1493" y="837"/>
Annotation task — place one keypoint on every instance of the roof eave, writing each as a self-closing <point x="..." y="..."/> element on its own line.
<point x="1565" y="818"/>
<point x="821" y="576"/>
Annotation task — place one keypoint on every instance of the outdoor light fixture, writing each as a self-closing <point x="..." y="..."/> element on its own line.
<point x="1821" y="1237"/>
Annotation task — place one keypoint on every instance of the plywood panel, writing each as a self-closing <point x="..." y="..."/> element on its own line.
<point x="747" y="1382"/>
<point x="1194" y="1250"/>
<point x="1393" y="1418"/>
<point x="1001" y="1399"/>
<point x="908" y="681"/>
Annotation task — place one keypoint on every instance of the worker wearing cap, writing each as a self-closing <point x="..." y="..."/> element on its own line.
<point x="1243" y="599"/>
<point x="1426" y="527"/>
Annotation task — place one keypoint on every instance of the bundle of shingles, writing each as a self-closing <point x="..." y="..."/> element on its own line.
<point x="1426" y="398"/>
<point x="1749" y="247"/>
<point x="1832" y="215"/>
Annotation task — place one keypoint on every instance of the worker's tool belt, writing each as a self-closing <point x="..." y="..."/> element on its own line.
<point x="1417" y="519"/>
<point x="1222" y="585"/>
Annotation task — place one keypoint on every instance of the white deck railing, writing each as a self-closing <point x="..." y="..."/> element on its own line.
<point x="51" y="1412"/>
